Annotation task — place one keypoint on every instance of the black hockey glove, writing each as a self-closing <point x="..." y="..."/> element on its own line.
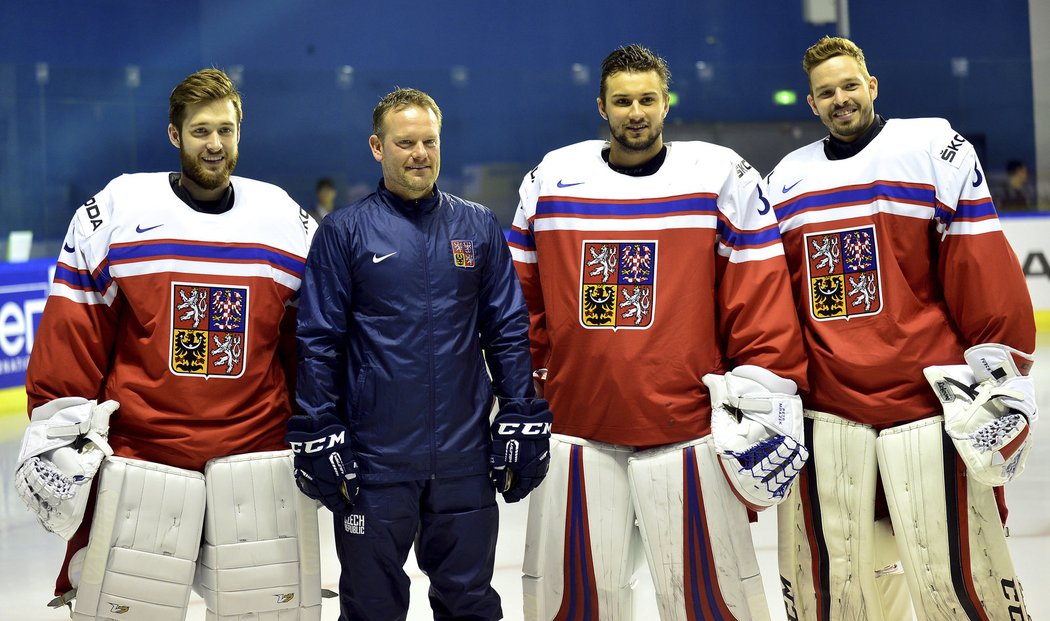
<point x="325" y="468"/>
<point x="520" y="455"/>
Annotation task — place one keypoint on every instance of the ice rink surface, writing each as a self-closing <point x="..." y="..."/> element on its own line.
<point x="29" y="556"/>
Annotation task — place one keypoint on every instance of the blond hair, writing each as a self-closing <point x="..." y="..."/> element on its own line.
<point x="830" y="47"/>
<point x="204" y="86"/>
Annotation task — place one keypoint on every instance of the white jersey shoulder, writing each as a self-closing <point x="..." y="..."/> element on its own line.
<point x="142" y="208"/>
<point x="138" y="195"/>
<point x="929" y="144"/>
<point x="263" y="196"/>
<point x="103" y="210"/>
<point x="699" y="153"/>
<point x="941" y="141"/>
<point x="801" y="157"/>
<point x="575" y="159"/>
<point x="579" y="170"/>
<point x="932" y="135"/>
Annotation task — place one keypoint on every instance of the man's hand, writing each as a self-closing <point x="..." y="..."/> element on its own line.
<point x="520" y="455"/>
<point x="325" y="467"/>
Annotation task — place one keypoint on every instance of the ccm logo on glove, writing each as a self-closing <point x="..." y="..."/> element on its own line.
<point x="523" y="429"/>
<point x="320" y="444"/>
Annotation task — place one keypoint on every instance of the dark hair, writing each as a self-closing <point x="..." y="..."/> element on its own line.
<point x="635" y="58"/>
<point x="1013" y="166"/>
<point x="324" y="182"/>
<point x="402" y="98"/>
<point x="205" y="86"/>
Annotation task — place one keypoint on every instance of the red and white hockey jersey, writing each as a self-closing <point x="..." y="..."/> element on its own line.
<point x="186" y="318"/>
<point x="898" y="262"/>
<point x="638" y="286"/>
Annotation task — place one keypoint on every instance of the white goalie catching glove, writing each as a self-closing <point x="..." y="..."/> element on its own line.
<point x="989" y="410"/>
<point x="756" y="425"/>
<point x="62" y="449"/>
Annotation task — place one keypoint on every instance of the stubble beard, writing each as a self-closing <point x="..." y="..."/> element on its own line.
<point x="640" y="144"/>
<point x="863" y="120"/>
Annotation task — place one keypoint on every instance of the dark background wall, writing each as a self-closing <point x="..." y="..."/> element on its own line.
<point x="84" y="85"/>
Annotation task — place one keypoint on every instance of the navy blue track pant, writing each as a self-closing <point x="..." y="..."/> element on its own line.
<point x="453" y="523"/>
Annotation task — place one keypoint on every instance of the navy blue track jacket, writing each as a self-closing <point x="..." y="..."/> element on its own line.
<point x="399" y="300"/>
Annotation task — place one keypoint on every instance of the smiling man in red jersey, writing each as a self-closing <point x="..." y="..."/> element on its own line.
<point x="920" y="333"/>
<point x="166" y="352"/>
<point x="650" y="269"/>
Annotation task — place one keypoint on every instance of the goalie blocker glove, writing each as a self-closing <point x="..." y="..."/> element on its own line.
<point x="520" y="456"/>
<point x="325" y="467"/>
<point x="989" y="410"/>
<point x="756" y="426"/>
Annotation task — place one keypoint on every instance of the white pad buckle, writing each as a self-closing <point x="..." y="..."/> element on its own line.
<point x="756" y="425"/>
<point x="989" y="410"/>
<point x="62" y="449"/>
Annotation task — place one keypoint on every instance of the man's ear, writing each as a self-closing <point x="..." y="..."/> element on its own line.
<point x="377" y="147"/>
<point x="173" y="136"/>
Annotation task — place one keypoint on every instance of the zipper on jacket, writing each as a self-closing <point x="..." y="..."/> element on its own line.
<point x="424" y="224"/>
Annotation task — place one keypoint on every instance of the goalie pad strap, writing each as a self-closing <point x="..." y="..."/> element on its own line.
<point x="997" y="362"/>
<point x="957" y="558"/>
<point x="144" y="540"/>
<point x="696" y="535"/>
<point x="261" y="550"/>
<point x="60" y="422"/>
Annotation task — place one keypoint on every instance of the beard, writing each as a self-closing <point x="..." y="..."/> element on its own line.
<point x="642" y="143"/>
<point x="863" y="118"/>
<point x="195" y="171"/>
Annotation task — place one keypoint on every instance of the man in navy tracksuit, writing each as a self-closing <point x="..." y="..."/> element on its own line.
<point x="406" y="294"/>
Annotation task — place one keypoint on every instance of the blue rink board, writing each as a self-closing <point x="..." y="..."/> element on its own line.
<point x="23" y="292"/>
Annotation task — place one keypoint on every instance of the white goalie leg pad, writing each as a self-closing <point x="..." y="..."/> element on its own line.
<point x="144" y="540"/>
<point x="261" y="554"/>
<point x="889" y="572"/>
<point x="696" y="535"/>
<point x="580" y="542"/>
<point x="829" y="554"/>
<point x="948" y="530"/>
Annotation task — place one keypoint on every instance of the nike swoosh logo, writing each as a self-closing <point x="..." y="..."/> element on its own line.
<point x="787" y="188"/>
<point x="379" y="259"/>
<point x="68" y="248"/>
<point x="569" y="185"/>
<point x="141" y="229"/>
<point x="980" y="177"/>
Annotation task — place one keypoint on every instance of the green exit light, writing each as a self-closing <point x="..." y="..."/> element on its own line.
<point x="784" y="97"/>
<point x="672" y="98"/>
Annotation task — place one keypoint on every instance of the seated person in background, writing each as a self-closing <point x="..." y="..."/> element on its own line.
<point x="1014" y="195"/>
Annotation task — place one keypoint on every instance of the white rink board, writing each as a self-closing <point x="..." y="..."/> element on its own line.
<point x="1030" y="238"/>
